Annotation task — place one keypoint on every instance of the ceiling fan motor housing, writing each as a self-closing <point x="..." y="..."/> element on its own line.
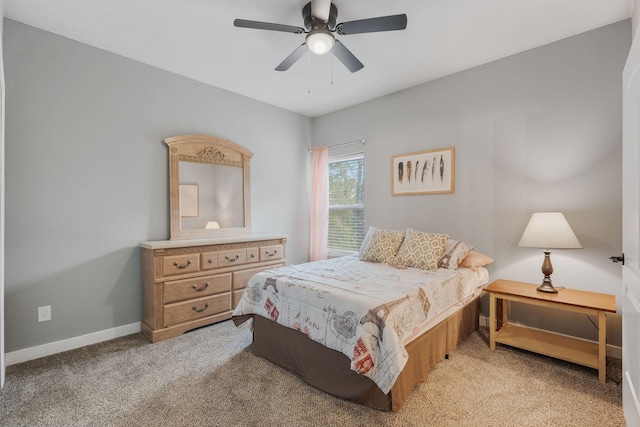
<point x="311" y="23"/>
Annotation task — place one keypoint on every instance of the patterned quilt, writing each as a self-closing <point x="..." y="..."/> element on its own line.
<point x="362" y="309"/>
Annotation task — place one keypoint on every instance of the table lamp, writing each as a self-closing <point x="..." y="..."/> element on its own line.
<point x="548" y="230"/>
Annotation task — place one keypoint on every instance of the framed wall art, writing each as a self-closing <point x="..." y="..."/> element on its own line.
<point x="423" y="172"/>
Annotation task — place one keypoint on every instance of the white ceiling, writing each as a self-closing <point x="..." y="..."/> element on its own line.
<point x="197" y="39"/>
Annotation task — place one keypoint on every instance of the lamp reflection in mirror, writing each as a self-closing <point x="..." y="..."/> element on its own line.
<point x="548" y="230"/>
<point x="212" y="225"/>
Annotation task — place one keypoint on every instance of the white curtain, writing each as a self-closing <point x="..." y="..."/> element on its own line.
<point x="319" y="204"/>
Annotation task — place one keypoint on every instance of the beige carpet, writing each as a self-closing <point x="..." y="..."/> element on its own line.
<point x="210" y="377"/>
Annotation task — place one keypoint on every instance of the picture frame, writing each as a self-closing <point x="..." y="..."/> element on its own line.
<point x="189" y="200"/>
<point x="413" y="173"/>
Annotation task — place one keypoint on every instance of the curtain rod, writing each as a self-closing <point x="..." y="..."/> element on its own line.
<point x="362" y="141"/>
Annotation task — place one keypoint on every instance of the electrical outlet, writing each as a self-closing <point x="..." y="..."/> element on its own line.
<point x="44" y="313"/>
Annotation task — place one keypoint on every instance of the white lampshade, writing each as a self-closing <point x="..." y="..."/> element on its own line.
<point x="549" y="230"/>
<point x="212" y="225"/>
<point x="320" y="41"/>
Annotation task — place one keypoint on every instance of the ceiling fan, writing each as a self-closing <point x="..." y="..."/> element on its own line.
<point x="320" y="23"/>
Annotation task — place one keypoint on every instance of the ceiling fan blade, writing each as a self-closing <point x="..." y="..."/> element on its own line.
<point x="373" y="25"/>
<point x="292" y="58"/>
<point x="257" y="25"/>
<point x="320" y="9"/>
<point x="346" y="57"/>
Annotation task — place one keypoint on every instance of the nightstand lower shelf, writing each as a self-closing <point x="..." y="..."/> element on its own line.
<point x="550" y="344"/>
<point x="575" y="350"/>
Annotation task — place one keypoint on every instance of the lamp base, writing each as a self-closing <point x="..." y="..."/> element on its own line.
<point x="547" y="269"/>
<point x="547" y="287"/>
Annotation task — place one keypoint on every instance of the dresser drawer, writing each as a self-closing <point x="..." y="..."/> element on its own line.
<point x="209" y="260"/>
<point x="268" y="253"/>
<point x="195" y="309"/>
<point x="232" y="257"/>
<point x="180" y="264"/>
<point x="241" y="280"/>
<point x="179" y="290"/>
<point x="253" y="255"/>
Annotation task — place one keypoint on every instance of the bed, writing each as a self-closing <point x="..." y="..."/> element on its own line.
<point x="364" y="331"/>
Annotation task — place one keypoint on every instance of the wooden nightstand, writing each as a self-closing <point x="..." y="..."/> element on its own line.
<point x="551" y="344"/>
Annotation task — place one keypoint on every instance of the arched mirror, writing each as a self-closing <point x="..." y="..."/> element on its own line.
<point x="208" y="187"/>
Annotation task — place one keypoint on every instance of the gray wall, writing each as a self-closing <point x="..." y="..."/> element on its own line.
<point x="635" y="16"/>
<point x="87" y="177"/>
<point x="537" y="131"/>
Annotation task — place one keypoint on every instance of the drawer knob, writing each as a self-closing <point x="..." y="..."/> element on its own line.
<point x="200" y="310"/>
<point x="267" y="253"/>
<point x="181" y="266"/>
<point x="232" y="259"/>
<point x="210" y="261"/>
<point x="197" y="289"/>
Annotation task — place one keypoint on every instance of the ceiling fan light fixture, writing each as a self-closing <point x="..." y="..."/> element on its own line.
<point x="320" y="41"/>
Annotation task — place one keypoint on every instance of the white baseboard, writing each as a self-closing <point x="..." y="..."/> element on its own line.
<point x="613" y="351"/>
<point x="43" y="350"/>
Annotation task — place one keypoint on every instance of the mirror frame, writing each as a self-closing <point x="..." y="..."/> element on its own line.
<point x="210" y="150"/>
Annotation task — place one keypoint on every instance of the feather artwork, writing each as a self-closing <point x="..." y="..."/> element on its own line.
<point x="415" y="178"/>
<point x="424" y="169"/>
<point x="433" y="167"/>
<point x="400" y="172"/>
<point x="441" y="168"/>
<point x="409" y="170"/>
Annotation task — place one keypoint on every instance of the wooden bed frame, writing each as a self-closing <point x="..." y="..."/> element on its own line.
<point x="329" y="370"/>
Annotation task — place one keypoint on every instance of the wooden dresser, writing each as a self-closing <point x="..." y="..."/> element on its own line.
<point x="187" y="284"/>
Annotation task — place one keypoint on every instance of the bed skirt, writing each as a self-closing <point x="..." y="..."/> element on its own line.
<point x="329" y="370"/>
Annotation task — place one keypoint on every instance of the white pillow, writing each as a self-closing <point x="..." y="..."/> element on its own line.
<point x="367" y="240"/>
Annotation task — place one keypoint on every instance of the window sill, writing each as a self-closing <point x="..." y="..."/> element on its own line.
<point x="337" y="253"/>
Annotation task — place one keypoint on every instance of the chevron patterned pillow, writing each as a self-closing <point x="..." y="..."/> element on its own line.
<point x="421" y="250"/>
<point x="383" y="246"/>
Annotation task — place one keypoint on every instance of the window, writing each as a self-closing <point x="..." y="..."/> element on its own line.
<point x="346" y="204"/>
